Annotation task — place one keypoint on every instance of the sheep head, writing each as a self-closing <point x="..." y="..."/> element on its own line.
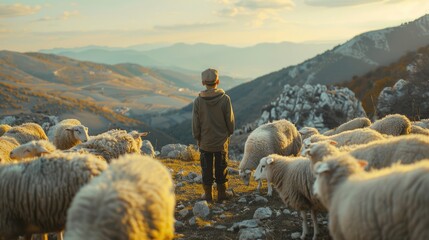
<point x="80" y="132"/>
<point x="261" y="170"/>
<point x="245" y="175"/>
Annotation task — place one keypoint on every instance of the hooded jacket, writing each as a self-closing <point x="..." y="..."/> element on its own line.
<point x="213" y="120"/>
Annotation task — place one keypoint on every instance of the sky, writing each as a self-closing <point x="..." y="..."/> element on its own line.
<point x="31" y="25"/>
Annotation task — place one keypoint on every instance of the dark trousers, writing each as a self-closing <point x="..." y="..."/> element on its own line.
<point x="220" y="166"/>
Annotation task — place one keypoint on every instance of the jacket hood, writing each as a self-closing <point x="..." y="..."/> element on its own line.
<point x="212" y="96"/>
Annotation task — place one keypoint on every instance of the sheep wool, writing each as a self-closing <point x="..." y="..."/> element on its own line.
<point x="4" y="128"/>
<point x="292" y="177"/>
<point x="32" y="149"/>
<point x="307" y="132"/>
<point x="36" y="194"/>
<point x="355" y="123"/>
<point x="133" y="199"/>
<point x="280" y="137"/>
<point x="390" y="203"/>
<point x="27" y="132"/>
<point x="110" y="145"/>
<point x="393" y="124"/>
<point x="7" y="144"/>
<point x="405" y="149"/>
<point x="68" y="133"/>
<point x="350" y="137"/>
<point x="419" y="130"/>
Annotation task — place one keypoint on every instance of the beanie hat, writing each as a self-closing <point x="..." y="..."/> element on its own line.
<point x="209" y="76"/>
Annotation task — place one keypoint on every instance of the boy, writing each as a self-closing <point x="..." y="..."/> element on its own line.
<point x="212" y="124"/>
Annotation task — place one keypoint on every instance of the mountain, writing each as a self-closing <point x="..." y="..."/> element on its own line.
<point x="246" y="62"/>
<point x="357" y="56"/>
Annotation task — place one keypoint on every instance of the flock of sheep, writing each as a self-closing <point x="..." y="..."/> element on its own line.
<point x="94" y="187"/>
<point x="371" y="178"/>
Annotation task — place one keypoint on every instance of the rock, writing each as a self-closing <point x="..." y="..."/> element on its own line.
<point x="147" y="148"/>
<point x="253" y="223"/>
<point x="178" y="225"/>
<point x="260" y="199"/>
<point x="295" y="235"/>
<point x="251" y="233"/>
<point x="201" y="209"/>
<point x="184" y="212"/>
<point x="242" y="200"/>
<point x="262" y="213"/>
<point x="175" y="151"/>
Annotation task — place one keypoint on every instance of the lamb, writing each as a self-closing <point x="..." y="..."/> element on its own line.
<point x="111" y="144"/>
<point x="355" y="123"/>
<point x="293" y="179"/>
<point x="392" y="124"/>
<point x="26" y="132"/>
<point x="405" y="149"/>
<point x="32" y="149"/>
<point x="419" y="130"/>
<point x="350" y="137"/>
<point x="133" y="199"/>
<point x="280" y="137"/>
<point x="4" y="128"/>
<point x="390" y="203"/>
<point x="68" y="133"/>
<point x="307" y="132"/>
<point x="37" y="193"/>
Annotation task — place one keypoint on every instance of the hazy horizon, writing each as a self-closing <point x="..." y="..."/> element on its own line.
<point x="26" y="26"/>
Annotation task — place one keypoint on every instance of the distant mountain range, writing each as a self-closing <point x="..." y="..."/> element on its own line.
<point x="246" y="62"/>
<point x="356" y="57"/>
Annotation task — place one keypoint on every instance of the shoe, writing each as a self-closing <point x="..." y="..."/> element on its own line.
<point x="221" y="192"/>
<point x="208" y="196"/>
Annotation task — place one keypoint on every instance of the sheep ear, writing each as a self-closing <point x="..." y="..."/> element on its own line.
<point x="362" y="163"/>
<point x="247" y="171"/>
<point x="332" y="142"/>
<point x="270" y="160"/>
<point x="306" y="152"/>
<point x="321" y="167"/>
<point x="69" y="129"/>
<point x="143" y="134"/>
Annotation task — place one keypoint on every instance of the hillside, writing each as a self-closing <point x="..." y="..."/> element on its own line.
<point x="357" y="56"/>
<point x="246" y="62"/>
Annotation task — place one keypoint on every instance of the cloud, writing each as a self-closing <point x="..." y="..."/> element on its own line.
<point x="65" y="16"/>
<point x="16" y="10"/>
<point x="68" y="14"/>
<point x="265" y="4"/>
<point x="180" y="27"/>
<point x="344" y="3"/>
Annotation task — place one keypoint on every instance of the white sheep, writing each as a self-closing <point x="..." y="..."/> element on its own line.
<point x="4" y="128"/>
<point x="391" y="203"/>
<point x="36" y="194"/>
<point x="68" y="133"/>
<point x="133" y="199"/>
<point x="355" y="123"/>
<point x="32" y="149"/>
<point x="7" y="144"/>
<point x="424" y="123"/>
<point x="307" y="132"/>
<point x="415" y="129"/>
<point x="350" y="137"/>
<point x="379" y="154"/>
<point x="293" y="179"/>
<point x="111" y="144"/>
<point x="280" y="137"/>
<point x="392" y="124"/>
<point x="26" y="132"/>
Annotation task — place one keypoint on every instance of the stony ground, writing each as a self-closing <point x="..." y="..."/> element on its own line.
<point x="223" y="219"/>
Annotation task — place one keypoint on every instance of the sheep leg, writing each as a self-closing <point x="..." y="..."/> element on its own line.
<point x="315" y="225"/>
<point x="60" y="235"/>
<point x="270" y="188"/>
<point x="304" y="224"/>
<point x="259" y="186"/>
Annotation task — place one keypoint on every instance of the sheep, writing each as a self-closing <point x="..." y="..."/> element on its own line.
<point x="279" y="137"/>
<point x="68" y="133"/>
<point x="293" y="179"/>
<point x="26" y="132"/>
<point x="4" y="128"/>
<point x="111" y="144"/>
<point x="350" y="137"/>
<point x="424" y="123"/>
<point x="7" y="144"/>
<point x="133" y="199"/>
<point x="355" y="123"/>
<point x="392" y="124"/>
<point x="405" y="149"/>
<point x="32" y="149"/>
<point x="415" y="129"/>
<point x="390" y="203"/>
<point x="307" y="132"/>
<point x="36" y="194"/>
